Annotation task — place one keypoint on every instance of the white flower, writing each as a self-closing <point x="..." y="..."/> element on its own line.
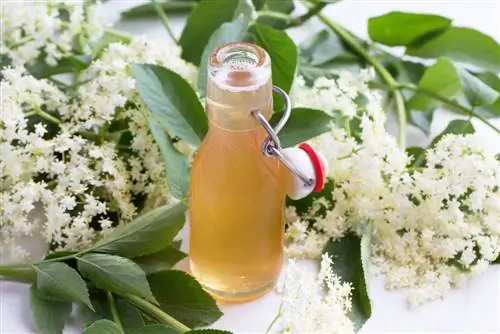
<point x="84" y="186"/>
<point x="33" y="28"/>
<point x="428" y="222"/>
<point x="314" y="303"/>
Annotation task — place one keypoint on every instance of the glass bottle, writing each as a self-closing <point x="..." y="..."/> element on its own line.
<point x="240" y="177"/>
<point x="237" y="196"/>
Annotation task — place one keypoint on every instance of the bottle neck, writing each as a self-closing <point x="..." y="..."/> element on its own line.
<point x="239" y="81"/>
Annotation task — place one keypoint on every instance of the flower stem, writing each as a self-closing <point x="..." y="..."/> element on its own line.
<point x="21" y="42"/>
<point x="164" y="19"/>
<point x="310" y="13"/>
<point x="157" y="313"/>
<point x="114" y="313"/>
<point x="123" y="36"/>
<point x="17" y="273"/>
<point x="290" y="21"/>
<point x="378" y="66"/>
<point x="45" y="115"/>
<point x="347" y="126"/>
<point x="274" y="15"/>
<point x="455" y="105"/>
<point x="276" y="317"/>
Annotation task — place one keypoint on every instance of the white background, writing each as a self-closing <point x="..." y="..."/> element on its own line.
<point x="474" y="308"/>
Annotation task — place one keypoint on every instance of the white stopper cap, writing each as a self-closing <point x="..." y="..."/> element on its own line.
<point x="310" y="167"/>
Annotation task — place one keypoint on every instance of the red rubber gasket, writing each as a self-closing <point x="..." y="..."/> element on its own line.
<point x="319" y="169"/>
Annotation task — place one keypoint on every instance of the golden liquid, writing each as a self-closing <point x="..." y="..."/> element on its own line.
<point x="236" y="202"/>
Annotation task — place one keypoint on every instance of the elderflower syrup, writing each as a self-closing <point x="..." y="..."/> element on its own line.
<point x="237" y="195"/>
<point x="240" y="177"/>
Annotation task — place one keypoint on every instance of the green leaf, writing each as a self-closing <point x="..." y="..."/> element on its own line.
<point x="442" y="79"/>
<point x="176" y="163"/>
<point x="160" y="261"/>
<point x="103" y="326"/>
<point x="282" y="6"/>
<point x="147" y="234"/>
<point x="408" y="71"/>
<point x="116" y="274"/>
<point x="148" y="10"/>
<point x="72" y="64"/>
<point x="246" y="10"/>
<point x="181" y="296"/>
<point x="417" y="155"/>
<point x="200" y="25"/>
<point x="56" y="280"/>
<point x="130" y="316"/>
<point x="349" y="256"/>
<point x="303" y="124"/>
<point x="227" y="33"/>
<point x="50" y="316"/>
<point x="457" y="127"/>
<point x="331" y="69"/>
<point x="281" y="50"/>
<point x="258" y="4"/>
<point x="321" y="48"/>
<point x="462" y="45"/>
<point x="497" y="261"/>
<point x="172" y="102"/>
<point x="477" y="92"/>
<point x="398" y="28"/>
<point x="492" y="80"/>
<point x="422" y="120"/>
<point x="157" y="329"/>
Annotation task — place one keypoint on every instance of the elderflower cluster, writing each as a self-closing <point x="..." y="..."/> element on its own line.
<point x="434" y="226"/>
<point x="77" y="162"/>
<point x="110" y="94"/>
<point x="314" y="303"/>
<point x="48" y="163"/>
<point x="46" y="30"/>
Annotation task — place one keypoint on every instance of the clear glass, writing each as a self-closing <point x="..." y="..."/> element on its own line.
<point x="237" y="197"/>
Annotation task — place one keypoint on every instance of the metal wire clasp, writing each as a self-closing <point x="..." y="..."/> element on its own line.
<point x="271" y="147"/>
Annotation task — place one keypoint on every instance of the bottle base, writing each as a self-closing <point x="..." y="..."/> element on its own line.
<point x="240" y="296"/>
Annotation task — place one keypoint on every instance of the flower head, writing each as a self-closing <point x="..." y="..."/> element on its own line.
<point x="314" y="303"/>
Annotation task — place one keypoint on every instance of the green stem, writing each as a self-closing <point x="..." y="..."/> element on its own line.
<point x="62" y="258"/>
<point x="45" y="115"/>
<point x="276" y="317"/>
<point x="157" y="313"/>
<point x="419" y="161"/>
<point x="274" y="15"/>
<point x="379" y="67"/>
<point x="127" y="38"/>
<point x="77" y="84"/>
<point x="347" y="156"/>
<point x="164" y="20"/>
<point x="347" y="126"/>
<point x="58" y="82"/>
<point x="17" y="273"/>
<point x="292" y="21"/>
<point x="114" y="312"/>
<point x="21" y="42"/>
<point x="455" y="105"/>
<point x="303" y="18"/>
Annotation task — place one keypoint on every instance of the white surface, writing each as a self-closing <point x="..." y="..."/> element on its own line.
<point x="471" y="309"/>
